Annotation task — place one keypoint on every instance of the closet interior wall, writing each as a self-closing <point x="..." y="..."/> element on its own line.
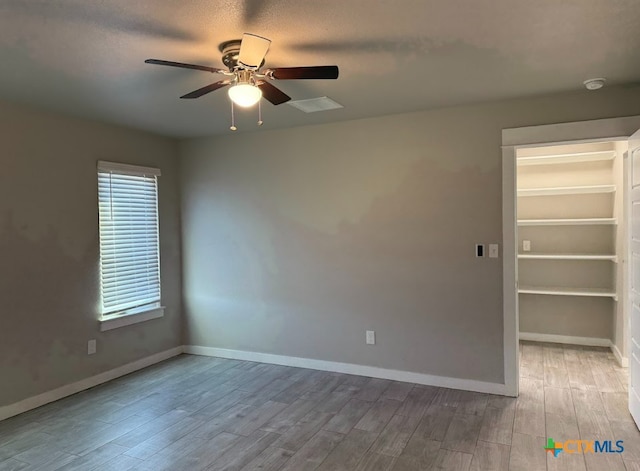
<point x="571" y="238"/>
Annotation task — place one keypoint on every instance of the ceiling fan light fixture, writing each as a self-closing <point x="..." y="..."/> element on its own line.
<point x="245" y="95"/>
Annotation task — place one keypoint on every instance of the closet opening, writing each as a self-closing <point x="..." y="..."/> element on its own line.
<point x="571" y="248"/>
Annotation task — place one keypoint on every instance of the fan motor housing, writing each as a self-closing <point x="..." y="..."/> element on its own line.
<point x="230" y="52"/>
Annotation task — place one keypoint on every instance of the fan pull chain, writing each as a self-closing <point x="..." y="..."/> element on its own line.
<point x="233" y="119"/>
<point x="260" y="122"/>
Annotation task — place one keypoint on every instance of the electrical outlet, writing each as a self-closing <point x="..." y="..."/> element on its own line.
<point x="526" y="245"/>
<point x="91" y="347"/>
<point x="371" y="337"/>
<point x="479" y="250"/>
<point x="493" y="250"/>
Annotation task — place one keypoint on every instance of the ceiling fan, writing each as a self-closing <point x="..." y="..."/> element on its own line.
<point x="248" y="82"/>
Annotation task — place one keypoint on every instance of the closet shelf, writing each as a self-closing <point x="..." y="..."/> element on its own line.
<point x="567" y="158"/>
<point x="549" y="256"/>
<point x="591" y="292"/>
<point x="567" y="222"/>
<point x="567" y="190"/>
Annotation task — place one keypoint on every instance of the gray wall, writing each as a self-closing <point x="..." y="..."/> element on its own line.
<point x="297" y="241"/>
<point x="49" y="252"/>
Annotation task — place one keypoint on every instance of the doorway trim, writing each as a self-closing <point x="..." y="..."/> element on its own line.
<point x="512" y="139"/>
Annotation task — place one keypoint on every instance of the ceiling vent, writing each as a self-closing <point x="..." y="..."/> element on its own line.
<point x="313" y="105"/>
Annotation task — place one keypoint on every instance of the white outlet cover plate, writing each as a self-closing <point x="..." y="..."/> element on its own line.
<point x="493" y="250"/>
<point x="91" y="347"/>
<point x="371" y="337"/>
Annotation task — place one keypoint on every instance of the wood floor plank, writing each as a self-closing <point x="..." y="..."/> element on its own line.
<point x="120" y="463"/>
<point x="288" y="417"/>
<point x="333" y="402"/>
<point x="497" y="426"/>
<point x="604" y="461"/>
<point x="314" y="451"/>
<point x="435" y="422"/>
<point x="373" y="389"/>
<point x="490" y="456"/>
<point x="95" y="458"/>
<point x="556" y="377"/>
<point x="243" y="451"/>
<point x="348" y="453"/>
<point x="375" y="462"/>
<point x="301" y="432"/>
<point x="398" y="391"/>
<point x="161" y="440"/>
<point x="447" y="398"/>
<point x="417" y="401"/>
<point x="526" y="453"/>
<point x="593" y="425"/>
<point x="628" y="432"/>
<point x="378" y="415"/>
<point x="449" y="460"/>
<point x="532" y="370"/>
<point x="271" y="459"/>
<point x="41" y="454"/>
<point x="12" y="465"/>
<point x="472" y="403"/>
<point x="553" y="356"/>
<point x="558" y="401"/>
<point x="463" y="433"/>
<point x="23" y="442"/>
<point x="586" y="399"/>
<point x="254" y="418"/>
<point x="395" y="436"/>
<point x="420" y="454"/>
<point x="529" y="418"/>
<point x="616" y="405"/>
<point x="502" y="402"/>
<point x="608" y="382"/>
<point x="531" y="390"/>
<point x="174" y="452"/>
<point x="348" y="417"/>
<point x="580" y="376"/>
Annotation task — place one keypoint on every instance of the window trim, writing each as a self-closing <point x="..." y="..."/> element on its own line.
<point x="145" y="312"/>
<point x="130" y="317"/>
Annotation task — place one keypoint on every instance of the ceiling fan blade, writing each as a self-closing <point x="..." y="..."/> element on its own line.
<point x="208" y="89"/>
<point x="273" y="94"/>
<point x="252" y="50"/>
<point x="185" y="66"/>
<point x="296" y="73"/>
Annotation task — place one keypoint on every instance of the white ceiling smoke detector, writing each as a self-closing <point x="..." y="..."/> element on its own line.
<point x="314" y="105"/>
<point x="594" y="83"/>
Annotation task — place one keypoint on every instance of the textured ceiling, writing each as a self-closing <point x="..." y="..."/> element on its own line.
<point x="85" y="58"/>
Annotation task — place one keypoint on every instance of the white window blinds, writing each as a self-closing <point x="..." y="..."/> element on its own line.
<point x="129" y="245"/>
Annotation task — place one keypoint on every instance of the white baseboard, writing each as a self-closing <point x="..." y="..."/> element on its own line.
<point x="567" y="339"/>
<point x="350" y="368"/>
<point x="622" y="361"/>
<point x="570" y="340"/>
<point x="68" y="390"/>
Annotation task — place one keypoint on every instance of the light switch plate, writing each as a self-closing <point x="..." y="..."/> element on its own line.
<point x="493" y="250"/>
<point x="526" y="245"/>
<point x="91" y="347"/>
<point x="371" y="337"/>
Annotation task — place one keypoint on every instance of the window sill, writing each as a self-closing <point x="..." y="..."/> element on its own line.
<point x="131" y="317"/>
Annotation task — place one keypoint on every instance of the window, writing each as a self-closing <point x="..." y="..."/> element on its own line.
<point x="129" y="241"/>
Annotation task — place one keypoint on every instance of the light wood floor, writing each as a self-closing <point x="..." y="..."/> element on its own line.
<point x="197" y="413"/>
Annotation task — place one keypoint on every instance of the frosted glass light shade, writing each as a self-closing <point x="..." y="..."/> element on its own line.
<point x="245" y="95"/>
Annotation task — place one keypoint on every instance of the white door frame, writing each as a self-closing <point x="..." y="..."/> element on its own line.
<point x="512" y="139"/>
